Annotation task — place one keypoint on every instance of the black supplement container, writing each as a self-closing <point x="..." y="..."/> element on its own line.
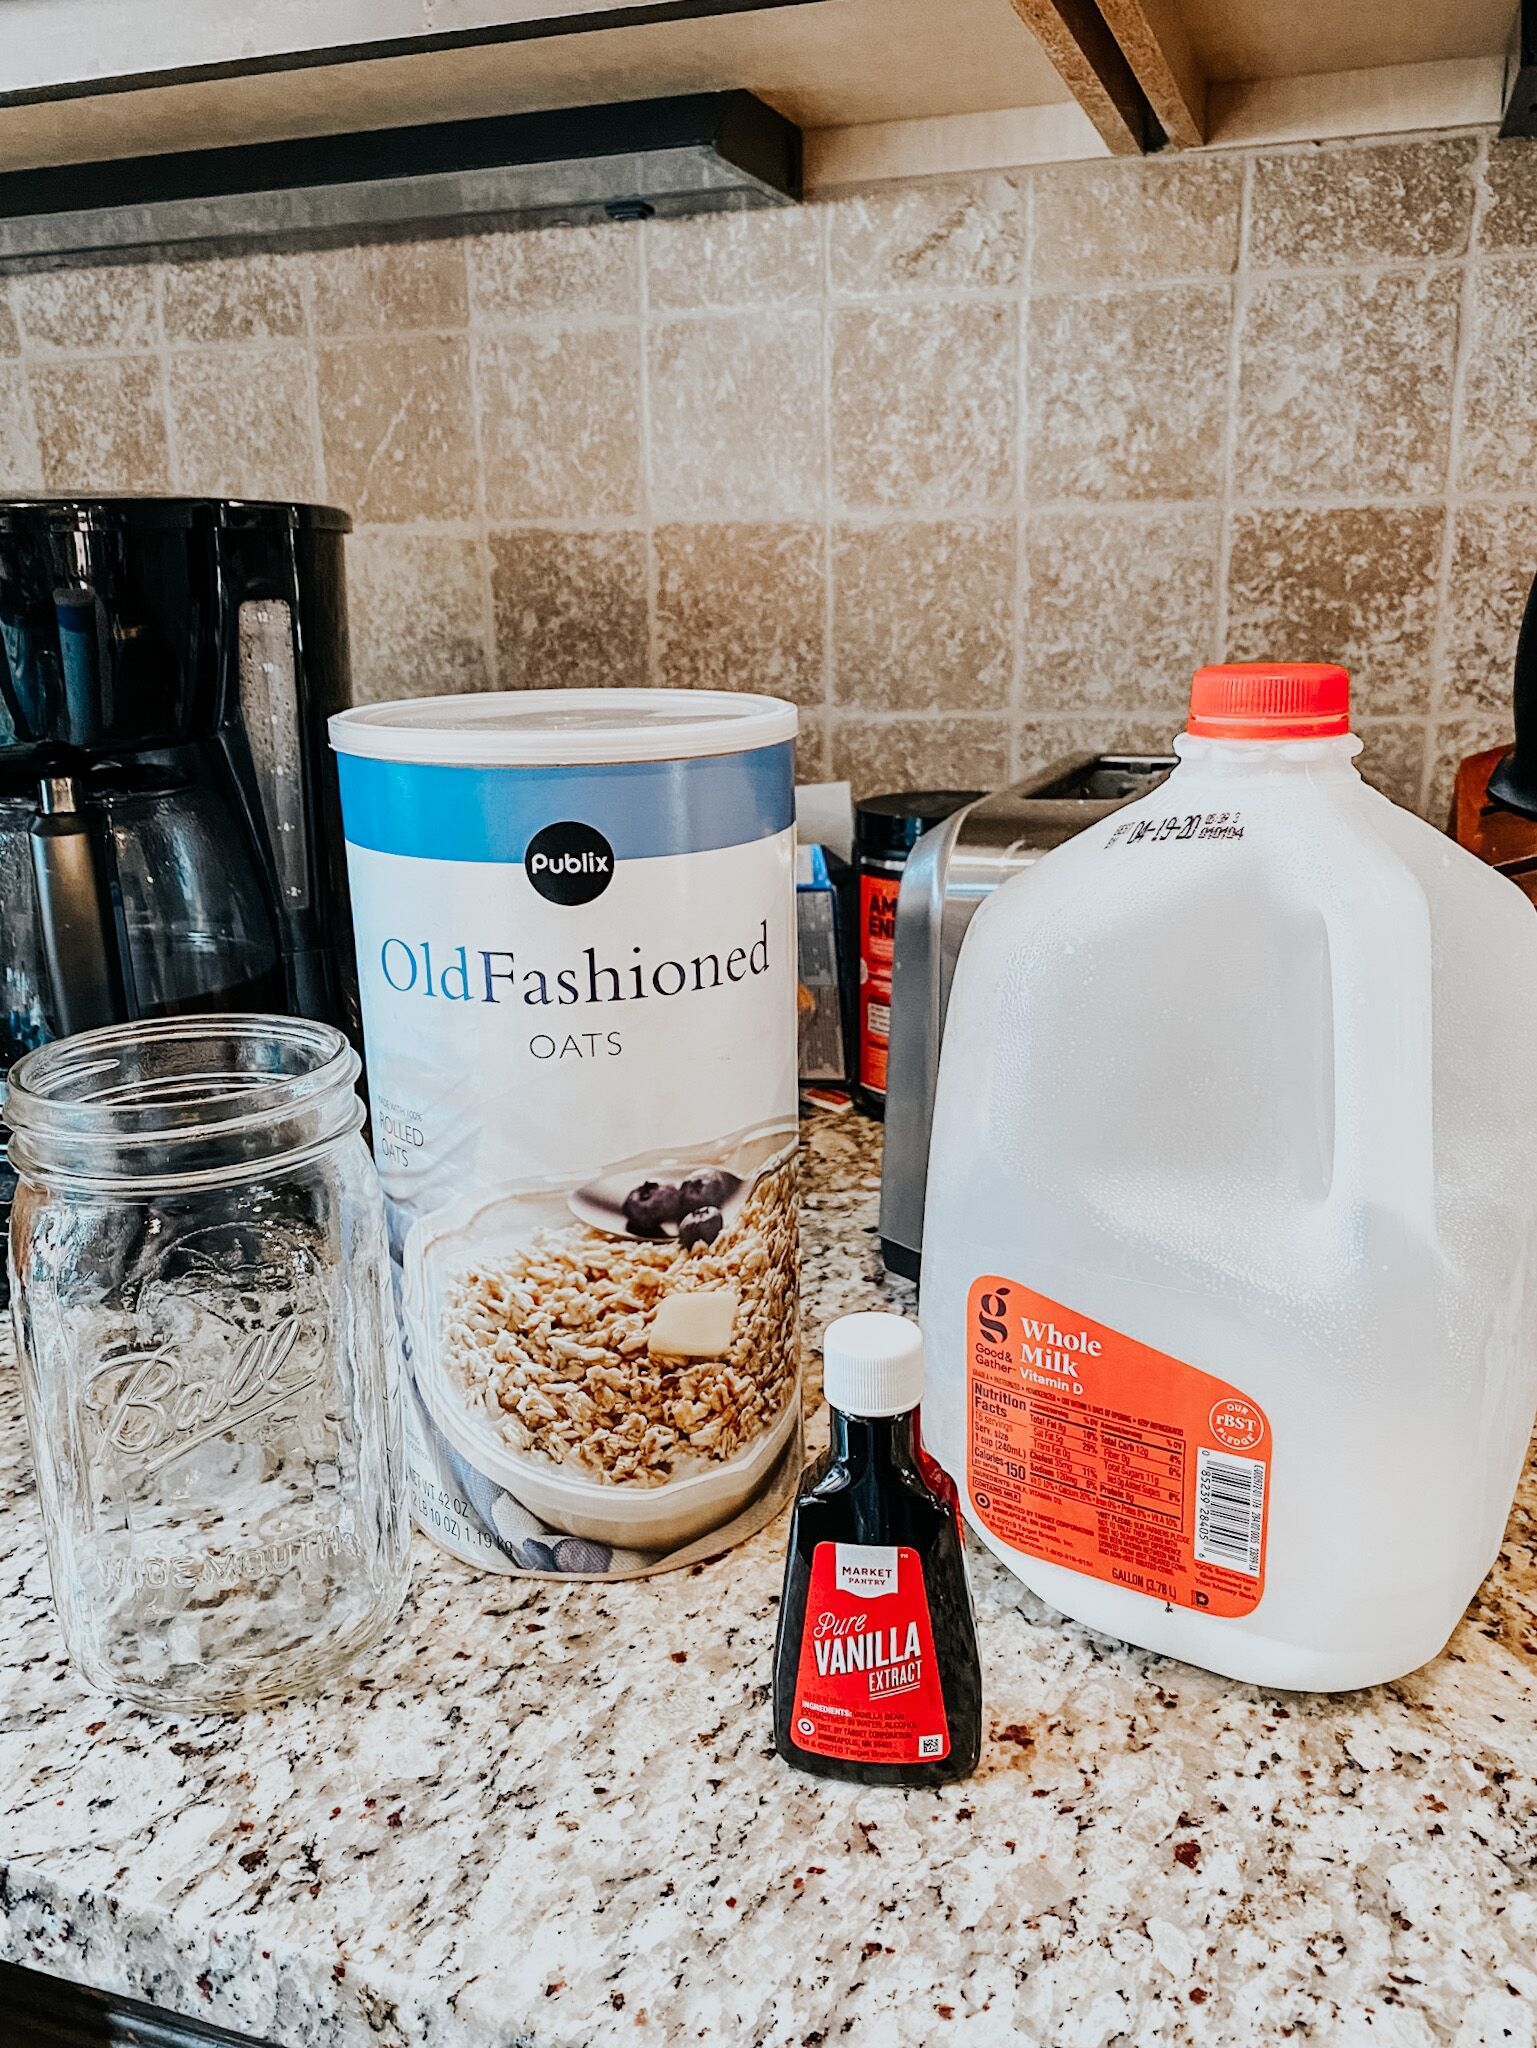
<point x="886" y="829"/>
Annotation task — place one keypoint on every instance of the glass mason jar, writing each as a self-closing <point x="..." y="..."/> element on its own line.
<point x="208" y="1356"/>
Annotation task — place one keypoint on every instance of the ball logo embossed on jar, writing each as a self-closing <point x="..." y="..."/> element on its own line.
<point x="157" y="1403"/>
<point x="569" y="863"/>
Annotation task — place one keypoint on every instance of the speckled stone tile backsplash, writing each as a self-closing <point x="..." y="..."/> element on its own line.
<point x="976" y="471"/>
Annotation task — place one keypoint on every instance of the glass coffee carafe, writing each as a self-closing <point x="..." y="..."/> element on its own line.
<point x="133" y="892"/>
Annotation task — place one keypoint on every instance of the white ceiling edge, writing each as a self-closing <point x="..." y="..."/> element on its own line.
<point x="1399" y="99"/>
<point x="50" y="43"/>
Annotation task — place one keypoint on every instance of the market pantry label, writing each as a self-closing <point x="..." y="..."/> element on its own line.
<point x="867" y="1688"/>
<point x="1090" y="1450"/>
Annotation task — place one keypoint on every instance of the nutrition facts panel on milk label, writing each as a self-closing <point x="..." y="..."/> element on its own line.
<point x="1088" y="1449"/>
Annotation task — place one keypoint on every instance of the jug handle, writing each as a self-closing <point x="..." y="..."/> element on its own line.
<point x="1378" y="935"/>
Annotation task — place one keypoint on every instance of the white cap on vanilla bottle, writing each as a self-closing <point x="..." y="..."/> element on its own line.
<point x="872" y="1364"/>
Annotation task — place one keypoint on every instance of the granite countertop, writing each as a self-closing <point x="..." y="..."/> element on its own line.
<point x="551" y="1816"/>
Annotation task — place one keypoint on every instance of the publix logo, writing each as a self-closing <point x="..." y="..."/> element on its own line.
<point x="569" y="863"/>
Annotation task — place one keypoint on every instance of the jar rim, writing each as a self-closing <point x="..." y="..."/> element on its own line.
<point x="143" y="1087"/>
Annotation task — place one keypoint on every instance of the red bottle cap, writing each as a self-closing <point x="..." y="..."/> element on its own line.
<point x="1270" y="700"/>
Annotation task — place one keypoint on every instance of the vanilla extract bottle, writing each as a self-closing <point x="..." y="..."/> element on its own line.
<point x="876" y="1675"/>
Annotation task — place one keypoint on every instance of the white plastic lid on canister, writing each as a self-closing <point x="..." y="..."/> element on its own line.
<point x="872" y="1364"/>
<point x="564" y="728"/>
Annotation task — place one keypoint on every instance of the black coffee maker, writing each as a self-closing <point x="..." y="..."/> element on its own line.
<point x="170" y="834"/>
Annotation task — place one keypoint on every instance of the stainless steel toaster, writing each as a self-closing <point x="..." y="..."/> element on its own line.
<point x="949" y="873"/>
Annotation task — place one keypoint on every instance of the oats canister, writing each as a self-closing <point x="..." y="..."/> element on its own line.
<point x="575" y="923"/>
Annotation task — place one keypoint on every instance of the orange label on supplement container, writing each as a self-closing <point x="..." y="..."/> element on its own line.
<point x="877" y="935"/>
<point x="1087" y="1449"/>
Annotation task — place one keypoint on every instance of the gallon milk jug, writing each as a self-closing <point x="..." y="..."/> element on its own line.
<point x="1232" y="1209"/>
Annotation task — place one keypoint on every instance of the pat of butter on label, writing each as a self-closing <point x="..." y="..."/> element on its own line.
<point x="697" y="1325"/>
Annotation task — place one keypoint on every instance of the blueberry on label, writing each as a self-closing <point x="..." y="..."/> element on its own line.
<point x="649" y="1206"/>
<point x="707" y="1189"/>
<point x="700" y="1226"/>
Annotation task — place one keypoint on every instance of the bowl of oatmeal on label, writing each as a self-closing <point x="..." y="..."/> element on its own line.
<point x="619" y="1354"/>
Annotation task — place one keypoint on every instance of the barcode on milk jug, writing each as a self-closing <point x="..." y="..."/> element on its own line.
<point x="1229" y="1511"/>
